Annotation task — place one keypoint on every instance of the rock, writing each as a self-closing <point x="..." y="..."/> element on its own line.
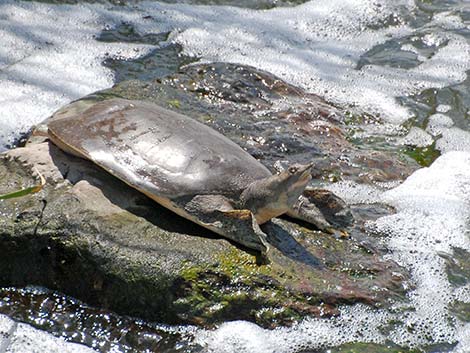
<point x="91" y="236"/>
<point x="361" y="347"/>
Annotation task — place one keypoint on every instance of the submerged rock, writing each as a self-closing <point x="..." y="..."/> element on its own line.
<point x="91" y="236"/>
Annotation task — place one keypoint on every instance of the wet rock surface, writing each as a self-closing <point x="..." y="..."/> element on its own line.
<point x="97" y="328"/>
<point x="19" y="337"/>
<point x="89" y="235"/>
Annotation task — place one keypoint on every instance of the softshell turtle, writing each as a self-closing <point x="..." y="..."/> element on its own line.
<point x="187" y="167"/>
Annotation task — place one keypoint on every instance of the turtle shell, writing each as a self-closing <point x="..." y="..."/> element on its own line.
<point x="155" y="150"/>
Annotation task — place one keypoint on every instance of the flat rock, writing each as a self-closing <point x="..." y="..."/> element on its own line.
<point x="89" y="235"/>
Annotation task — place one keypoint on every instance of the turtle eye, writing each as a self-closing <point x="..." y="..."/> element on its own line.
<point x="293" y="170"/>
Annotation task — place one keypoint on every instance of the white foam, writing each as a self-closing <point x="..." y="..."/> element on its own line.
<point x="464" y="343"/>
<point x="448" y="20"/>
<point x="417" y="137"/>
<point x="454" y="139"/>
<point x="355" y="193"/>
<point x="449" y="137"/>
<point x="443" y="108"/>
<point x="22" y="338"/>
<point x="318" y="45"/>
<point x="48" y="57"/>
<point x="438" y="123"/>
<point x="433" y="206"/>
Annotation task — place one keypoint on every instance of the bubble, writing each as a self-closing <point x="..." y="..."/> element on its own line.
<point x="17" y="337"/>
<point x="432" y="207"/>
<point x="438" y="123"/>
<point x="453" y="139"/>
<point x="355" y="193"/>
<point x="321" y="45"/>
<point x="417" y="137"/>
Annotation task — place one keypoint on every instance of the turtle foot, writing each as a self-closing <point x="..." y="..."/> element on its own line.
<point x="239" y="226"/>
<point x="337" y="233"/>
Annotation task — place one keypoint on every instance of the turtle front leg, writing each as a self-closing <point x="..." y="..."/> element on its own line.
<point x="333" y="209"/>
<point x="216" y="213"/>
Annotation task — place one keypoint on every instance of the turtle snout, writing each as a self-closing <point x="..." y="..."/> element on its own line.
<point x="299" y="183"/>
<point x="304" y="173"/>
<point x="299" y="169"/>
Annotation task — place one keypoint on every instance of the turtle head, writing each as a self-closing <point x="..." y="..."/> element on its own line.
<point x="273" y="196"/>
<point x="292" y="182"/>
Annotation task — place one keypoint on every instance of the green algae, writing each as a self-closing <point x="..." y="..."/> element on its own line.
<point x="237" y="287"/>
<point x="461" y="310"/>
<point x="424" y="156"/>
<point x="174" y="103"/>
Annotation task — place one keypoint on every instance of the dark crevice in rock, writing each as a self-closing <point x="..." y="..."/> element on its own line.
<point x="44" y="205"/>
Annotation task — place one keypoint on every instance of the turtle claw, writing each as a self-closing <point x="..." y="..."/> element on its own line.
<point x="262" y="258"/>
<point x="240" y="226"/>
<point x="338" y="234"/>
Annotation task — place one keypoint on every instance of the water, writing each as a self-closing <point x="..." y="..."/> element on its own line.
<point x="404" y="63"/>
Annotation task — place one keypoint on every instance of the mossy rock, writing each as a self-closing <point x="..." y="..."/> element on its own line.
<point x="89" y="235"/>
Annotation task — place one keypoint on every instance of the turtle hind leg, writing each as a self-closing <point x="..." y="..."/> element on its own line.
<point x="333" y="211"/>
<point x="216" y="213"/>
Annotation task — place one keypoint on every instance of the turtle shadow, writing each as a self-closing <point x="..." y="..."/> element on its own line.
<point x="287" y="245"/>
<point x="76" y="169"/>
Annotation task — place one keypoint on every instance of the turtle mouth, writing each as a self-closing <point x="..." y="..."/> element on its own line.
<point x="303" y="178"/>
<point x="306" y="173"/>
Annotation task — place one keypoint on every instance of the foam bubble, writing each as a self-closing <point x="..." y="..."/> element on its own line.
<point x="318" y="46"/>
<point x="464" y="343"/>
<point x="433" y="206"/>
<point x="355" y="193"/>
<point x="449" y="137"/>
<point x="438" y="123"/>
<point x="15" y="337"/>
<point x="448" y="20"/>
<point x="443" y="108"/>
<point x="417" y="137"/>
<point x="454" y="139"/>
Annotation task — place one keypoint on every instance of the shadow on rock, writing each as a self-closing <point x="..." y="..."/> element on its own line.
<point x="288" y="246"/>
